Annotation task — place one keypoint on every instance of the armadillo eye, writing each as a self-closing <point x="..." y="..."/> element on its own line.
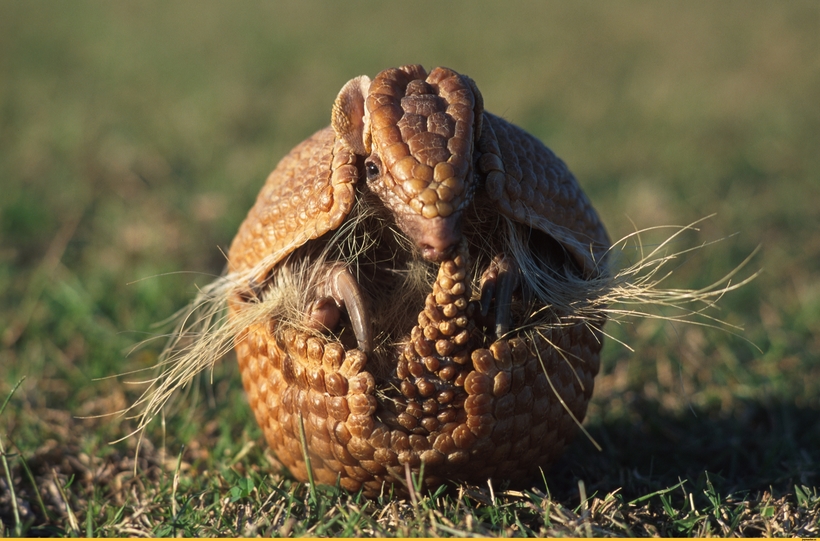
<point x="372" y="170"/>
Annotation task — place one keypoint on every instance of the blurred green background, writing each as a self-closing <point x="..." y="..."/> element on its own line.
<point x="134" y="137"/>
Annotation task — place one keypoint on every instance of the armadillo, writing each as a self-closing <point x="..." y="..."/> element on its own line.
<point x="427" y="263"/>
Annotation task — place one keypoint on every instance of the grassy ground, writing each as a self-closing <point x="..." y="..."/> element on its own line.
<point x="134" y="137"/>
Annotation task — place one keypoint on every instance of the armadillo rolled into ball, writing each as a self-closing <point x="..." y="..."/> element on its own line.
<point x="426" y="265"/>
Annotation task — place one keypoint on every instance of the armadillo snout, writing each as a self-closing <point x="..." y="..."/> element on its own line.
<point x="439" y="251"/>
<point x="437" y="238"/>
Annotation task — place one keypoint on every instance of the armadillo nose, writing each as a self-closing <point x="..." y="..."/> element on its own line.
<point x="440" y="245"/>
<point x="436" y="238"/>
<point x="432" y="253"/>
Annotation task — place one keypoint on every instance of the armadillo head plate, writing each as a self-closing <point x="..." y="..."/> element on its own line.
<point x="418" y="131"/>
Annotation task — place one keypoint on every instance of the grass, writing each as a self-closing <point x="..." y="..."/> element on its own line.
<point x="134" y="137"/>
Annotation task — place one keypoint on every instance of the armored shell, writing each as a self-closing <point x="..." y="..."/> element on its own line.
<point x="422" y="258"/>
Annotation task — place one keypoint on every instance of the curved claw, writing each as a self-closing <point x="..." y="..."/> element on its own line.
<point x="324" y="314"/>
<point x="500" y="280"/>
<point x="344" y="290"/>
<point x="488" y="281"/>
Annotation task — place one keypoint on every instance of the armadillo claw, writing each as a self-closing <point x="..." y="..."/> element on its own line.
<point x="323" y="314"/>
<point x="499" y="281"/>
<point x="342" y="287"/>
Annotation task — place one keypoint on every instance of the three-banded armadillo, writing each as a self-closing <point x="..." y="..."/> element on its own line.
<point x="424" y="261"/>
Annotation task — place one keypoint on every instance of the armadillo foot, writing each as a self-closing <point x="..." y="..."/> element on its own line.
<point x="340" y="291"/>
<point x="499" y="281"/>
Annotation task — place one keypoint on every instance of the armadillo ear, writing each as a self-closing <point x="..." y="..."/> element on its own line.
<point x="478" y="110"/>
<point x="349" y="116"/>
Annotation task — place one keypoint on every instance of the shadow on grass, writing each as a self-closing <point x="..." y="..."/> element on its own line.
<point x="756" y="447"/>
